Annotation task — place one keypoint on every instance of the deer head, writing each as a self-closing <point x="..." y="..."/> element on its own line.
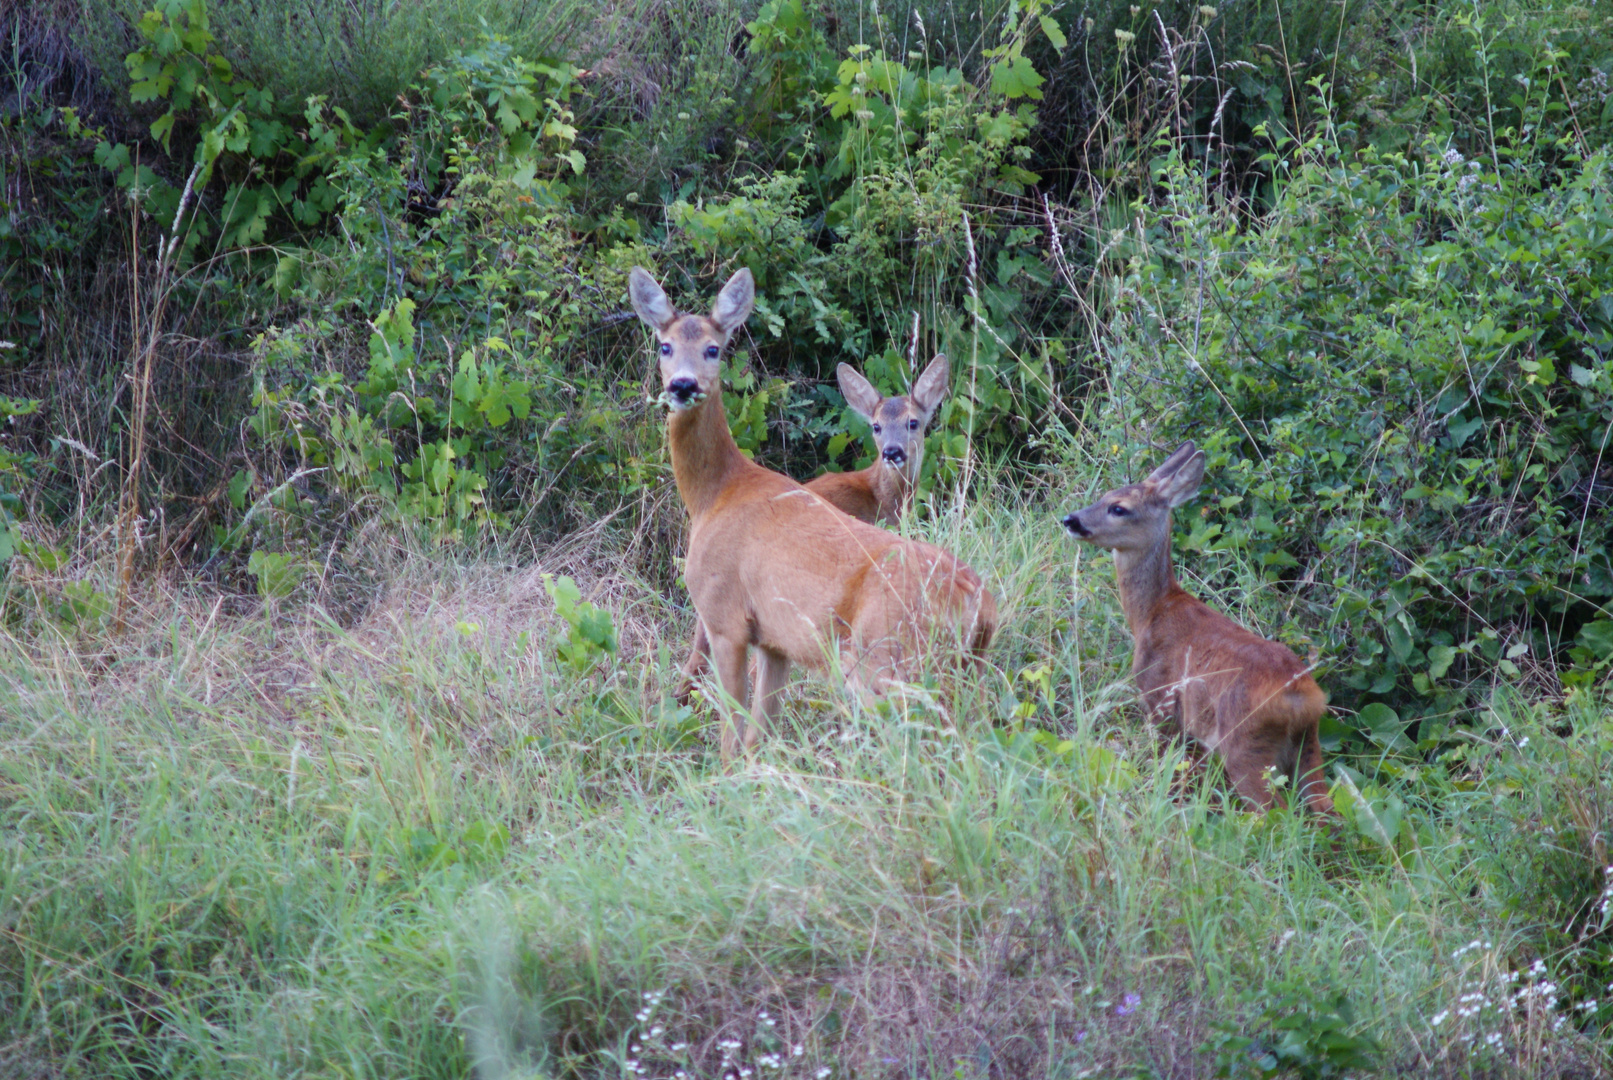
<point x="691" y="346"/>
<point x="899" y="421"/>
<point x="1137" y="517"/>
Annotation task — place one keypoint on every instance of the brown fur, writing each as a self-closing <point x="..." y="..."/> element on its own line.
<point x="1250" y="700"/>
<point x="773" y="565"/>
<point x="879" y="494"/>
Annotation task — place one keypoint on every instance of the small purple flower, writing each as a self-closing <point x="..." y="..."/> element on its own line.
<point x="1128" y="1004"/>
<point x="1080" y="1037"/>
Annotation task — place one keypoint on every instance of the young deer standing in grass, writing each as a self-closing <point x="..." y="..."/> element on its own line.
<point x="1247" y="699"/>
<point x="773" y="565"/>
<point x="879" y="494"/>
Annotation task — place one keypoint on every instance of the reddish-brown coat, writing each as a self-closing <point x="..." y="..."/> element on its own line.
<point x="775" y="566"/>
<point x="1248" y="699"/>
<point x="878" y="494"/>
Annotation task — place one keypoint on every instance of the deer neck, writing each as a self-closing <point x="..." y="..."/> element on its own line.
<point x="704" y="454"/>
<point x="891" y="488"/>
<point x="1144" y="577"/>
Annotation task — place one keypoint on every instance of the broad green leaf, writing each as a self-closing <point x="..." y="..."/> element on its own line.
<point x="1016" y="78"/>
<point x="1054" y="33"/>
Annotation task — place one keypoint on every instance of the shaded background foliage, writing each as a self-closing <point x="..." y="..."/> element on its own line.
<point x="1358" y="249"/>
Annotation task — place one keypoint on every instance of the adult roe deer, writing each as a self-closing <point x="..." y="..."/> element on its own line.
<point x="879" y="494"/>
<point x="1245" y="698"/>
<point x="772" y="564"/>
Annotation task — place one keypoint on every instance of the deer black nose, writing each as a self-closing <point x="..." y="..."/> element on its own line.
<point x="1073" y="523"/>
<point x="683" y="388"/>
<point x="895" y="455"/>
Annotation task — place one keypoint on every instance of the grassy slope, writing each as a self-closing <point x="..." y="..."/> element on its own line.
<point x="236" y="847"/>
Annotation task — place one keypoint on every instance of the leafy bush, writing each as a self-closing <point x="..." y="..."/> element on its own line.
<point x="1403" y="377"/>
<point x="358" y="56"/>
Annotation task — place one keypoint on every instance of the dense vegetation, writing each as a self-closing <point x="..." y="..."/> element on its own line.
<point x="339" y="555"/>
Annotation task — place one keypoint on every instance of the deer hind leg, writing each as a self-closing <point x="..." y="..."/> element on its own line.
<point x="695" y="666"/>
<point x="1312" y="781"/>
<point x="772" y="670"/>
<point x="728" y="654"/>
<point x="1248" y="756"/>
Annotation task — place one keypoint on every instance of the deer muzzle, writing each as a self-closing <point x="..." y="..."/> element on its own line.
<point x="683" y="391"/>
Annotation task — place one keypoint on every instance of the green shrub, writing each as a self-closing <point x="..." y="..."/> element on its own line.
<point x="358" y="56"/>
<point x="1402" y="375"/>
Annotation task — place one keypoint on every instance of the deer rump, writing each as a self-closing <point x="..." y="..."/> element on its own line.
<point x="868" y="592"/>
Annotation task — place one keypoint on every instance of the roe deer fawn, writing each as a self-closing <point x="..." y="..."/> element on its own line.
<point x="1245" y="698"/>
<point x="879" y="494"/>
<point x="773" y="565"/>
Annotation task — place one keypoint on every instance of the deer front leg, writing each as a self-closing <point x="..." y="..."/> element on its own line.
<point x="728" y="654"/>
<point x="695" y="666"/>
<point x="773" y="668"/>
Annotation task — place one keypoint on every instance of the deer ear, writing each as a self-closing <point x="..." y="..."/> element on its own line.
<point x="649" y="299"/>
<point x="931" y="387"/>
<point x="735" y="302"/>
<point x="1178" y="457"/>
<point x="1182" y="484"/>
<point x="860" y="393"/>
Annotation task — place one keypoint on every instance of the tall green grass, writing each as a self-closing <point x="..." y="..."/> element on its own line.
<point x="270" y="844"/>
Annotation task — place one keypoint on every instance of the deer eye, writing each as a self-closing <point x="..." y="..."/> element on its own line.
<point x="913" y="425"/>
<point x="711" y="352"/>
<point x="1117" y="510"/>
<point x="666" y="348"/>
<point x="876" y="429"/>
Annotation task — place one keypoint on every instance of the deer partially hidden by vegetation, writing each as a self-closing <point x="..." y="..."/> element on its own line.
<point x="879" y="494"/>
<point x="882" y="492"/>
<point x="1245" y="698"/>
<point x="773" y="565"/>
